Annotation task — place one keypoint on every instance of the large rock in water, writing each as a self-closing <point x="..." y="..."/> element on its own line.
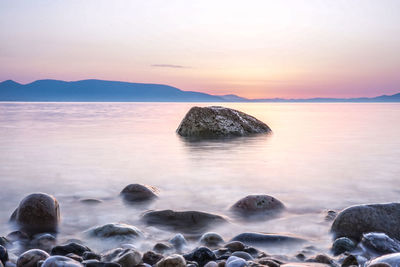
<point x="139" y="193"/>
<point x="185" y="221"/>
<point x="257" y="205"/>
<point x="212" y="122"/>
<point x="354" y="221"/>
<point x="37" y="213"/>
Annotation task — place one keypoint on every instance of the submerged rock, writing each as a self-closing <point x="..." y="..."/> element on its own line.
<point x="234" y="261"/>
<point x="72" y="247"/>
<point x="178" y="241"/>
<point x="125" y="257"/>
<point x="37" y="213"/>
<point x="119" y="231"/>
<point x="172" y="261"/>
<point x="342" y="245"/>
<point x="139" y="193"/>
<point x="211" y="239"/>
<point x="151" y="257"/>
<point x="266" y="239"/>
<point x="215" y="121"/>
<point x="257" y="205"/>
<point x="31" y="257"/>
<point x="185" y="221"/>
<point x="357" y="220"/>
<point x="379" y="244"/>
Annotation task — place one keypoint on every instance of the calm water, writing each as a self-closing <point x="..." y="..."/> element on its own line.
<point x="319" y="157"/>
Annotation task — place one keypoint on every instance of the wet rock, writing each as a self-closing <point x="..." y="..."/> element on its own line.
<point x="73" y="248"/>
<point x="342" y="245"/>
<point x="253" y="205"/>
<point x="31" y="257"/>
<point x="4" y="241"/>
<point x="139" y="192"/>
<point x="244" y="255"/>
<point x="119" y="231"/>
<point x="74" y="257"/>
<point x="392" y="259"/>
<point x="379" y="244"/>
<point x="201" y="255"/>
<point x="60" y="261"/>
<point x="235" y="246"/>
<point x="304" y="264"/>
<point x="349" y="261"/>
<point x="44" y="241"/>
<point x="96" y="263"/>
<point x="268" y="261"/>
<point x="178" y="241"/>
<point x="124" y="257"/>
<point x="17" y="236"/>
<point x="37" y="213"/>
<point x="214" y="122"/>
<point x="88" y="255"/>
<point x="321" y="258"/>
<point x="3" y="255"/>
<point x="151" y="257"/>
<point x="330" y="215"/>
<point x="266" y="239"/>
<point x="357" y="220"/>
<point x="172" y="261"/>
<point x="91" y="201"/>
<point x="185" y="221"/>
<point x="162" y="247"/>
<point x="211" y="264"/>
<point x="211" y="239"/>
<point x="234" y="261"/>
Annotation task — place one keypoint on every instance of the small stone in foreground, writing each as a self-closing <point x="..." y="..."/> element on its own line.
<point x="174" y="260"/>
<point x="31" y="257"/>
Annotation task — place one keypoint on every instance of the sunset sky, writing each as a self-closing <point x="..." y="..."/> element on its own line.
<point x="285" y="48"/>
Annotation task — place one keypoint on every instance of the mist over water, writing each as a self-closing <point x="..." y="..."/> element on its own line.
<point x="319" y="157"/>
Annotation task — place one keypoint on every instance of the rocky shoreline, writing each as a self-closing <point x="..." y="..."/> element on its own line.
<point x="363" y="235"/>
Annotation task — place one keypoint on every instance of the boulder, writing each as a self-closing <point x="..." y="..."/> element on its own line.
<point x="266" y="239"/>
<point x="31" y="257"/>
<point x="125" y="257"/>
<point x="215" y="121"/>
<point x="172" y="261"/>
<point x="257" y="205"/>
<point x="120" y="231"/>
<point x="139" y="193"/>
<point x="354" y="221"/>
<point x="184" y="221"/>
<point x="37" y="213"/>
<point x="60" y="261"/>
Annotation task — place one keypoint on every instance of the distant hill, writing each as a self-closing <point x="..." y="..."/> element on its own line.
<point x="114" y="91"/>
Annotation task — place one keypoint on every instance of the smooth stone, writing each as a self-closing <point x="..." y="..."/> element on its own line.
<point x="201" y="255"/>
<point x="357" y="220"/>
<point x="349" y="261"/>
<point x="139" y="192"/>
<point x="379" y="244"/>
<point x="162" y="247"/>
<point x="151" y="257"/>
<point x="37" y="213"/>
<point x="304" y="264"/>
<point x="215" y="121"/>
<point x="321" y="258"/>
<point x="4" y="241"/>
<point x="244" y="255"/>
<point x="74" y="248"/>
<point x="3" y="254"/>
<point x="185" y="221"/>
<point x="96" y="263"/>
<point x="125" y="257"/>
<point x="257" y="205"/>
<point x="74" y="257"/>
<point x="211" y="264"/>
<point x="60" y="261"/>
<point x="269" y="262"/>
<point x="392" y="259"/>
<point x="379" y="265"/>
<point x="88" y="255"/>
<point x="178" y="241"/>
<point x="173" y="260"/>
<point x="330" y="215"/>
<point x="342" y="245"/>
<point x="17" y="236"/>
<point x="211" y="239"/>
<point x="266" y="239"/>
<point x="31" y="257"/>
<point x="252" y="251"/>
<point x="234" y="261"/>
<point x="235" y="246"/>
<point x="90" y="201"/>
<point x="44" y="241"/>
<point x="119" y="231"/>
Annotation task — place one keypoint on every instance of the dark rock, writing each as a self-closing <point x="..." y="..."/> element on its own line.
<point x="342" y="245"/>
<point x="74" y="257"/>
<point x="266" y="239"/>
<point x="201" y="255"/>
<point x="139" y="192"/>
<point x="321" y="258"/>
<point x="330" y="216"/>
<point x="392" y="259"/>
<point x="119" y="231"/>
<point x="304" y="264"/>
<point x="151" y="257"/>
<point x="44" y="241"/>
<point x="254" y="205"/>
<point x="379" y="265"/>
<point x="125" y="257"/>
<point x="244" y="255"/>
<point x="357" y="220"/>
<point x="252" y="251"/>
<point x="162" y="247"/>
<point x="60" y="261"/>
<point x="379" y="243"/>
<point x="349" y="261"/>
<point x="235" y="246"/>
<point x="96" y="263"/>
<point x="172" y="261"/>
<point x="4" y="241"/>
<point x="234" y="261"/>
<point x="3" y="254"/>
<point x="17" y="236"/>
<point x="178" y="241"/>
<point x="211" y="239"/>
<point x="301" y="256"/>
<point x="91" y="201"/>
<point x="88" y="255"/>
<point x="214" y="122"/>
<point x="31" y="257"/>
<point x="185" y="221"/>
<point x="74" y="248"/>
<point x="268" y="262"/>
<point x="37" y="213"/>
<point x="211" y="264"/>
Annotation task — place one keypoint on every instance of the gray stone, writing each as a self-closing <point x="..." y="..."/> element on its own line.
<point x="305" y="264"/>
<point x="31" y="257"/>
<point x="201" y="255"/>
<point x="3" y="254"/>
<point x="37" y="213"/>
<point x="212" y="122"/>
<point x="235" y="246"/>
<point x="244" y="255"/>
<point x="357" y="220"/>
<point x="234" y="261"/>
<point x="184" y="221"/>
<point x="211" y="239"/>
<point x="162" y="247"/>
<point x="124" y="257"/>
<point x="60" y="261"/>
<point x="257" y="205"/>
<point x="178" y="241"/>
<point x="72" y="247"/>
<point x="139" y="192"/>
<point x="342" y="245"/>
<point x="379" y="244"/>
<point x="211" y="264"/>
<point x="392" y="259"/>
<point x="172" y="261"/>
<point x="151" y="257"/>
<point x="266" y="239"/>
<point x="120" y="231"/>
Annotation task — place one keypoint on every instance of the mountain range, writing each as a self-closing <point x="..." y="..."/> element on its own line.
<point x="115" y="91"/>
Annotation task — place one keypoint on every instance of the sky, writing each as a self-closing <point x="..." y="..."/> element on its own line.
<point x="255" y="49"/>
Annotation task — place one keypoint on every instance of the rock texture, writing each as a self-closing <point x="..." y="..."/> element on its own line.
<point x="215" y="121"/>
<point x="257" y="205"/>
<point x="354" y="221"/>
<point x="119" y="231"/>
<point x="37" y="213"/>
<point x="266" y="239"/>
<point x="31" y="257"/>
<point x="139" y="193"/>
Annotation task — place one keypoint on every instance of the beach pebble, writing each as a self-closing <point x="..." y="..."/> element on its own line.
<point x="235" y="246"/>
<point x="3" y="254"/>
<point x="150" y="257"/>
<point x="349" y="261"/>
<point x="178" y="241"/>
<point x="119" y="231"/>
<point x="174" y="260"/>
<point x="31" y="257"/>
<point x="37" y="213"/>
<point x="44" y="241"/>
<point x="211" y="264"/>
<point x="342" y="245"/>
<point x="88" y="255"/>
<point x="96" y="263"/>
<point x="124" y="257"/>
<point x="266" y="239"/>
<point x="139" y="192"/>
<point x="211" y="239"/>
<point x="201" y="255"/>
<point x="257" y="205"/>
<point x="72" y="247"/>
<point x="379" y="244"/>
<point x="60" y="261"/>
<point x="244" y="255"/>
<point x="234" y="261"/>
<point x="162" y="247"/>
<point x="392" y="259"/>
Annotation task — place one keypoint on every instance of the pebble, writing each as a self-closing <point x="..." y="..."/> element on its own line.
<point x="60" y="261"/>
<point x="151" y="257"/>
<point x="73" y="247"/>
<point x="244" y="255"/>
<point x="234" y="261"/>
<point x="342" y="245"/>
<point x="173" y="260"/>
<point x="3" y="254"/>
<point x="124" y="257"/>
<point x="31" y="257"/>
<point x="201" y="255"/>
<point x="235" y="246"/>
<point x="211" y="239"/>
